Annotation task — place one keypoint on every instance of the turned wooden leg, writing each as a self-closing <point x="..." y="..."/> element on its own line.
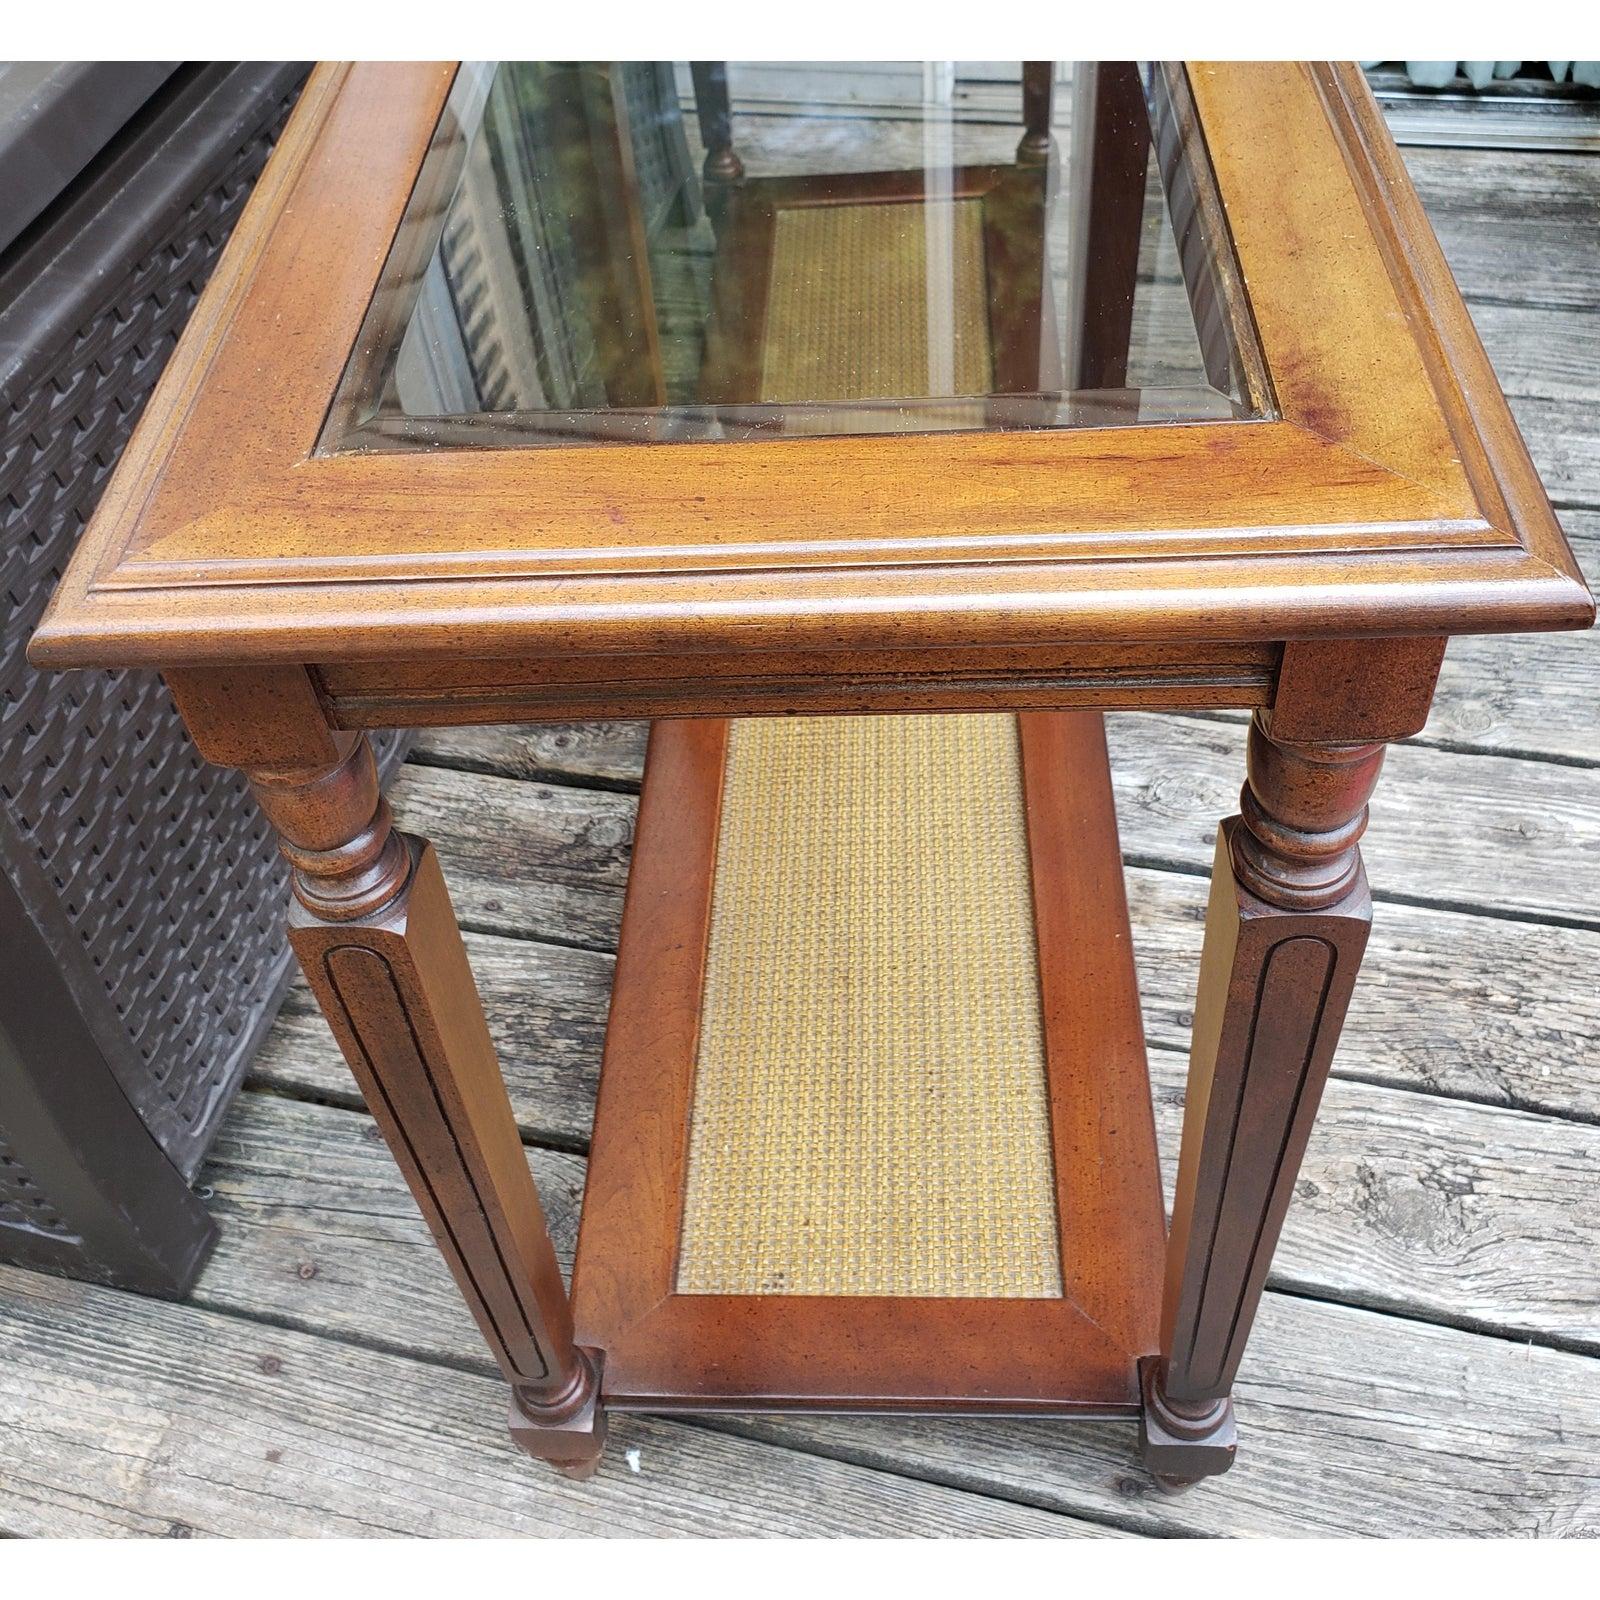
<point x="1038" y="79"/>
<point x="375" y="932"/>
<point x="1285" y="933"/>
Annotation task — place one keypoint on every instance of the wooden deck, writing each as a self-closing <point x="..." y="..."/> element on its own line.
<point x="1428" y="1357"/>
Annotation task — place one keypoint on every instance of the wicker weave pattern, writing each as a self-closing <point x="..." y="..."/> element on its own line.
<point x="179" y="833"/>
<point x="23" y="1204"/>
<point x="870" y="1110"/>
<point x="848" y="309"/>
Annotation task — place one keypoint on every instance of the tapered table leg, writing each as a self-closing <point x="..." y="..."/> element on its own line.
<point x="375" y="932"/>
<point x="1285" y="934"/>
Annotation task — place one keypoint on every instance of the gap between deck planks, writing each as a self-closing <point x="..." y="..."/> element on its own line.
<point x="124" y="1415"/>
<point x="1351" y="1422"/>
<point x="1462" y="1003"/>
<point x="1533" y="827"/>
<point x="1438" y="1211"/>
<point x="1432" y="1208"/>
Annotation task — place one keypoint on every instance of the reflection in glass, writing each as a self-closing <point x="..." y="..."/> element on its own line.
<point x="653" y="251"/>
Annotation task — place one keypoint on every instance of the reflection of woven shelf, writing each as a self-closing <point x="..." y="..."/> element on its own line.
<point x="874" y="1123"/>
<point x="851" y="313"/>
<point x="881" y="286"/>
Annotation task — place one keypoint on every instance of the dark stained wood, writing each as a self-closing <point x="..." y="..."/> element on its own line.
<point x="1023" y="337"/>
<point x="1075" y="1355"/>
<point x="1374" y="689"/>
<point x="1285" y="933"/>
<point x="383" y="694"/>
<point x="1110" y="154"/>
<point x="376" y="936"/>
<point x="1392" y="498"/>
<point x="1037" y="81"/>
<point x="246" y="716"/>
<point x="741" y="274"/>
<point x="722" y="164"/>
<point x="605" y="226"/>
<point x="1102" y="1132"/>
<point x="1307" y="566"/>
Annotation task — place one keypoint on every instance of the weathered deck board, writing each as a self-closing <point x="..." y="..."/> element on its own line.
<point x="1441" y="1209"/>
<point x="1481" y="1009"/>
<point x="1532" y="694"/>
<point x="1460" y="1003"/>
<point x="1517" y="226"/>
<point x="1501" y="834"/>
<point x="127" y="1416"/>
<point x="1449" y="1433"/>
<point x="1387" y="1427"/>
<point x="1467" y="830"/>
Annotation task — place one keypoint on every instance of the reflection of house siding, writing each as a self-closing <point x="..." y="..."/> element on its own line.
<point x="432" y="374"/>
<point x="501" y="325"/>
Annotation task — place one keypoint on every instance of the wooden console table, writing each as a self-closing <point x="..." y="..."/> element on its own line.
<point x="532" y="392"/>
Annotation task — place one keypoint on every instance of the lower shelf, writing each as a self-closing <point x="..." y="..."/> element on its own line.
<point x="874" y="1127"/>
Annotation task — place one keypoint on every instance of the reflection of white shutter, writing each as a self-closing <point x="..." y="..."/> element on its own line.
<point x="433" y="374"/>
<point x="483" y="247"/>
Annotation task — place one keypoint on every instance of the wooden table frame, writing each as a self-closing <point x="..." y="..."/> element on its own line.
<point x="1309" y="567"/>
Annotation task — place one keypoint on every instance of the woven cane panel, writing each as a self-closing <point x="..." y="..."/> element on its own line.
<point x="850" y="314"/>
<point x="870" y="1110"/>
<point x="165" y="880"/>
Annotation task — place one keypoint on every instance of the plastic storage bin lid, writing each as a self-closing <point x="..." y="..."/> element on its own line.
<point x="55" y="118"/>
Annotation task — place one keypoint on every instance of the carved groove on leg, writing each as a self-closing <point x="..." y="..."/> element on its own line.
<point x="378" y="939"/>
<point x="369" y="988"/>
<point x="1285" y="933"/>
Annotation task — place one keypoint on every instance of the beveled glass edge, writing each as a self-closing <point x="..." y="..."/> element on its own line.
<point x="357" y="399"/>
<point x="357" y="424"/>
<point x="1179" y="136"/>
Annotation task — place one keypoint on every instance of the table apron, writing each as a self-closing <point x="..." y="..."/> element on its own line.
<point x="1103" y="678"/>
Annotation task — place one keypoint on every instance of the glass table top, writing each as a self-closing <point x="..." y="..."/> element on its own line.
<point x="654" y="252"/>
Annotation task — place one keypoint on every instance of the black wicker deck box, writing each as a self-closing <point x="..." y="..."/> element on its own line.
<point x="125" y="1023"/>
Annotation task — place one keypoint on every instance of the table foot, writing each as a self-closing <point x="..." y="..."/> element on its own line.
<point x="1181" y="1444"/>
<point x="570" y="1435"/>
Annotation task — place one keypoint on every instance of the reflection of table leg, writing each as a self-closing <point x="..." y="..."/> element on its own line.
<point x="375" y="932"/>
<point x="586" y="110"/>
<point x="722" y="166"/>
<point x="1105" y="189"/>
<point x="1037" y="80"/>
<point x="1284" y="938"/>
